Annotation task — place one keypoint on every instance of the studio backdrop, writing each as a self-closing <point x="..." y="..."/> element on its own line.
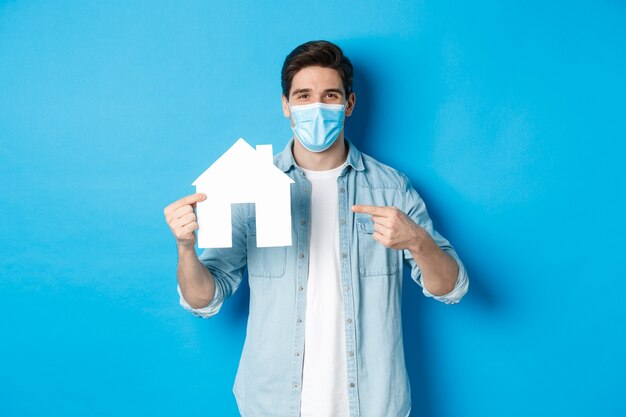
<point x="508" y="117"/>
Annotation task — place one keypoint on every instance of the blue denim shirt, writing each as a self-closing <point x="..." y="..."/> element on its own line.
<point x="268" y="380"/>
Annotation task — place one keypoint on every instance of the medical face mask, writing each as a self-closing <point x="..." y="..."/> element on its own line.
<point x="317" y="125"/>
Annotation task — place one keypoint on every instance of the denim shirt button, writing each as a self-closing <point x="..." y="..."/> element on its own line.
<point x="344" y="255"/>
<point x="342" y="190"/>
<point x="302" y="222"/>
<point x="349" y="321"/>
<point x="351" y="384"/>
<point x="301" y="255"/>
<point x="301" y="288"/>
<point x="343" y="221"/>
<point x="299" y="320"/>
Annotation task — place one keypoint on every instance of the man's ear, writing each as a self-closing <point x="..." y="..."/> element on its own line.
<point x="286" y="111"/>
<point x="350" y="103"/>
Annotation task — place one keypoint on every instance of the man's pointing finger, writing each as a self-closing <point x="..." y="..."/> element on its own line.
<point x="366" y="209"/>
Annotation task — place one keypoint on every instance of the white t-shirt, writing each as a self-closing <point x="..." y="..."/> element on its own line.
<point x="324" y="377"/>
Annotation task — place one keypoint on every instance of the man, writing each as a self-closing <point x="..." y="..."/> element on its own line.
<point x="324" y="335"/>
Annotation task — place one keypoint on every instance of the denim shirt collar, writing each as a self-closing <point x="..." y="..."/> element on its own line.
<point x="285" y="160"/>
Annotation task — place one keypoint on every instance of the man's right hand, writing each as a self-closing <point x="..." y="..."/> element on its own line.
<point x="181" y="219"/>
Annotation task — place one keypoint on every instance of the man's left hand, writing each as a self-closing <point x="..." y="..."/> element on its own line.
<point x="393" y="228"/>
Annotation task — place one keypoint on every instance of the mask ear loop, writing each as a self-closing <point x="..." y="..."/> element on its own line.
<point x="291" y="119"/>
<point x="292" y="122"/>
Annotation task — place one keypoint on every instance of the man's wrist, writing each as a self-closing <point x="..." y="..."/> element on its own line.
<point x="419" y="241"/>
<point x="184" y="249"/>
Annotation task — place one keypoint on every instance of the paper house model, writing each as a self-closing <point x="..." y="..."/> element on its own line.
<point x="244" y="175"/>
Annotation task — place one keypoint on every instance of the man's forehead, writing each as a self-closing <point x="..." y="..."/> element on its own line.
<point x="316" y="77"/>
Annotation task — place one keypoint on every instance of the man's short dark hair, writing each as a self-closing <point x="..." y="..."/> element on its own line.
<point x="316" y="54"/>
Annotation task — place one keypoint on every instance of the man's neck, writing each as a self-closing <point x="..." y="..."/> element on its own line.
<point x="321" y="161"/>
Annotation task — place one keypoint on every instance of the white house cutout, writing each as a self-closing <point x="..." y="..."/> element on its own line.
<point x="244" y="175"/>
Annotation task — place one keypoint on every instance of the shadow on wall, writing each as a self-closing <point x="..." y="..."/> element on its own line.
<point x="357" y="126"/>
<point x="238" y="315"/>
<point x="480" y="295"/>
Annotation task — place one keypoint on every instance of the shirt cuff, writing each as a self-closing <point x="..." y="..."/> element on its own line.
<point x="459" y="290"/>
<point x="205" y="312"/>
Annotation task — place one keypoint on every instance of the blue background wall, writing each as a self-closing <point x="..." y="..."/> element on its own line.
<point x="509" y="119"/>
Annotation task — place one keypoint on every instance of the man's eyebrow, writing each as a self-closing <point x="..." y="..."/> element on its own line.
<point x="300" y="90"/>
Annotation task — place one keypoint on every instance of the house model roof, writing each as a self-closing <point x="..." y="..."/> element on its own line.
<point x="241" y="162"/>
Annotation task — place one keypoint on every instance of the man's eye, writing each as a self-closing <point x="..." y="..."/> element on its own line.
<point x="332" y="95"/>
<point x="303" y="95"/>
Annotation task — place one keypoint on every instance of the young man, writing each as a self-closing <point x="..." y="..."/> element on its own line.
<point x="324" y="335"/>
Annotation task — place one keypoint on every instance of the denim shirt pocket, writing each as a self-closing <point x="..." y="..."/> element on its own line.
<point x="264" y="262"/>
<point x="374" y="258"/>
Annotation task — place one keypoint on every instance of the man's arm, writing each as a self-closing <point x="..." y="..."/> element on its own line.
<point x="194" y="279"/>
<point x="394" y="229"/>
<point x="439" y="270"/>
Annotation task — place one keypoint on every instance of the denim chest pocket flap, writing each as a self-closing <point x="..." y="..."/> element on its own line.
<point x="365" y="224"/>
<point x="374" y="258"/>
<point x="264" y="262"/>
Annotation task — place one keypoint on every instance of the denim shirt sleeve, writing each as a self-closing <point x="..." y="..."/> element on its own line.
<point x="415" y="208"/>
<point x="226" y="266"/>
<point x="205" y="312"/>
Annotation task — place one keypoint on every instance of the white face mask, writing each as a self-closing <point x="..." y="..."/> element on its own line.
<point x="317" y="125"/>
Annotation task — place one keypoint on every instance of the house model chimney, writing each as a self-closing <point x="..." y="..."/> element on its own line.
<point x="265" y="153"/>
